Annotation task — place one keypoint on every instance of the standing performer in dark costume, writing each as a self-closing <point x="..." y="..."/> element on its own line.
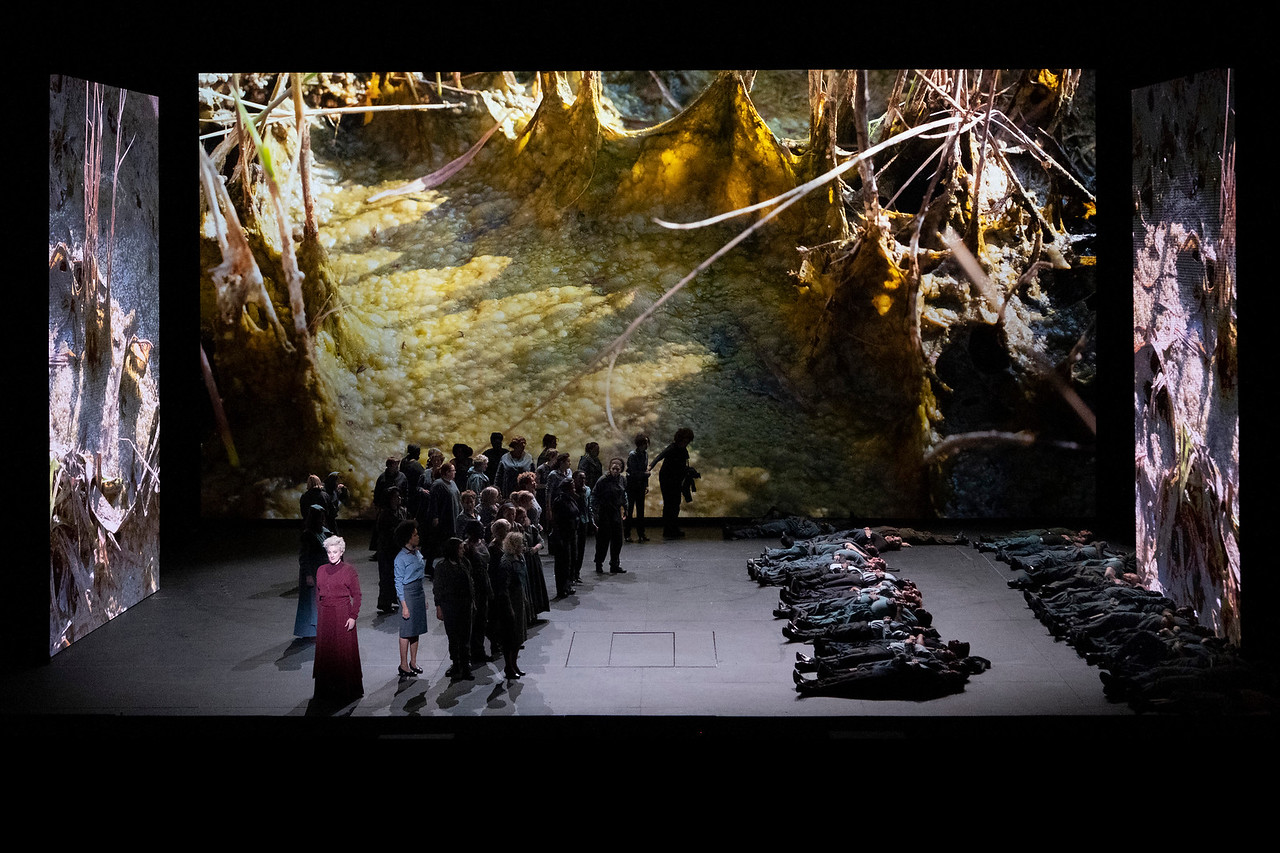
<point x="315" y="494"/>
<point x="675" y="467"/>
<point x="637" y="487"/>
<point x="446" y="505"/>
<point x="608" y="506"/>
<point x="511" y="466"/>
<point x="337" y="494"/>
<point x="455" y="596"/>
<point x="411" y="467"/>
<point x="337" y="670"/>
<point x="475" y="552"/>
<point x="589" y="462"/>
<point x="389" y="518"/>
<point x="505" y="557"/>
<point x="582" y="494"/>
<point x="564" y="535"/>
<point x="494" y="453"/>
<point x="311" y="555"/>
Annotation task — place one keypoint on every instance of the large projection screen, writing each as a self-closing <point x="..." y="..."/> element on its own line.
<point x="435" y="258"/>
<point x="1186" y="391"/>
<point x="104" y="354"/>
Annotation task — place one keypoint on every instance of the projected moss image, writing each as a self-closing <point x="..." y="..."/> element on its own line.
<point x="405" y="258"/>
<point x="104" y="354"/>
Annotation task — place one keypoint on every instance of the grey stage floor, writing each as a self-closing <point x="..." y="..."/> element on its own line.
<point x="684" y="641"/>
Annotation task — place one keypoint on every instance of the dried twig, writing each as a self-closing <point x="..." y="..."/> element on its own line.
<point x="115" y="180"/>
<point x="822" y="179"/>
<point x="89" y="256"/>
<point x="913" y="292"/>
<point x="871" y="199"/>
<point x="986" y="438"/>
<point x="973" y="234"/>
<point x="309" y="229"/>
<point x="288" y="258"/>
<point x="224" y="427"/>
<point x="442" y="174"/>
<point x="237" y="280"/>
<point x="666" y="94"/>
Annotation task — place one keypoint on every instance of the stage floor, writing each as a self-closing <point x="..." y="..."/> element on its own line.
<point x="684" y="638"/>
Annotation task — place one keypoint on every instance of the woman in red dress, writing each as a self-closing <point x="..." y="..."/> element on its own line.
<point x="337" y="667"/>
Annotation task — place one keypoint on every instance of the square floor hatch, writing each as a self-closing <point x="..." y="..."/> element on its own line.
<point x="642" y="648"/>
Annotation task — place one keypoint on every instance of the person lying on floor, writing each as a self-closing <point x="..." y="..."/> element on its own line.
<point x="819" y="570"/>
<point x="1166" y="654"/>
<point x="767" y="570"/>
<point x="813" y="548"/>
<point x="1115" y="569"/>
<point x="1032" y="540"/>
<point x="1062" y="555"/>
<point x="1226" y="687"/>
<point x="1099" y="638"/>
<point x="808" y="568"/>
<point x="874" y="542"/>
<point x="1173" y="646"/>
<point x="1082" y="604"/>
<point x="861" y="627"/>
<point x="904" y="676"/>
<point x="794" y="526"/>
<point x="835" y="575"/>
<point x="881" y="598"/>
<point x="923" y="643"/>
<point x="1052" y="578"/>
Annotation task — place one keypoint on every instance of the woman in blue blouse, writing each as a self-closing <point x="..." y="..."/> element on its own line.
<point x="409" y="571"/>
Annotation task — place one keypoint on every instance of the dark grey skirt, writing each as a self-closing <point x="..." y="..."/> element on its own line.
<point x="415" y="595"/>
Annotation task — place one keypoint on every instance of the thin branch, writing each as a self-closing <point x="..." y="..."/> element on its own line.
<point x="1020" y="192"/>
<point x="238" y="279"/>
<point x="937" y="152"/>
<point x="985" y="438"/>
<point x="309" y="228"/>
<point x="913" y="293"/>
<point x="442" y="174"/>
<point x="666" y="94"/>
<point x="817" y="182"/>
<point x="111" y="238"/>
<point x="89" y="256"/>
<point x="224" y="428"/>
<point x="288" y="257"/>
<point x="870" y="198"/>
<point x="891" y="104"/>
<point x="974" y="232"/>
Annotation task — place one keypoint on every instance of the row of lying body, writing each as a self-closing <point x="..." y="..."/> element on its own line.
<point x="1153" y="653"/>
<point x="871" y="634"/>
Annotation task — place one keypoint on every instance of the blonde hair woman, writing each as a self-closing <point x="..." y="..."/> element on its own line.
<point x="337" y="670"/>
<point x="507" y="607"/>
